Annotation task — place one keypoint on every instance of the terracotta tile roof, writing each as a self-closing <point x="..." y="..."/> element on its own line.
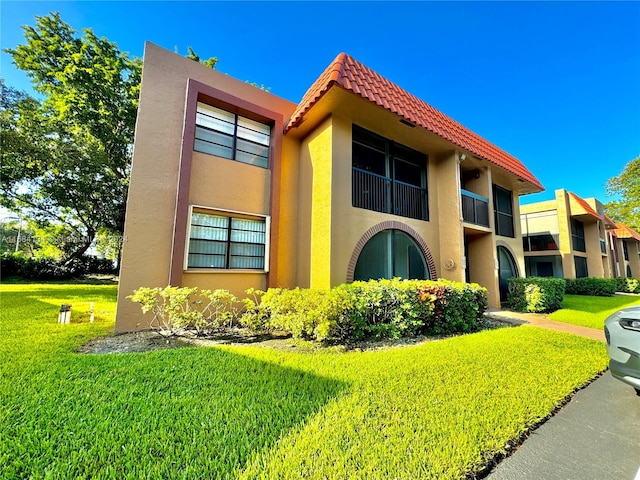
<point x="588" y="208"/>
<point x="357" y="78"/>
<point x="626" y="232"/>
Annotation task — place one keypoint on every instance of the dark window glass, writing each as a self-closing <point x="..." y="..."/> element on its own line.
<point x="388" y="177"/>
<point x="625" y="249"/>
<point x="389" y="254"/>
<point x="577" y="236"/>
<point x="231" y="136"/>
<point x="581" y="267"/>
<point x="503" y="212"/>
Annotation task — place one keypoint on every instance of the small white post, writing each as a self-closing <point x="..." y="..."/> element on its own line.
<point x="91" y="314"/>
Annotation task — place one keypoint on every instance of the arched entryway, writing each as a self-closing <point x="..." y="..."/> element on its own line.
<point x="507" y="268"/>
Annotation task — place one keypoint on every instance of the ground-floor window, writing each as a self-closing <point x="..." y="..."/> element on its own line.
<point x="226" y="242"/>
<point x="391" y="253"/>
<point x="581" y="267"/>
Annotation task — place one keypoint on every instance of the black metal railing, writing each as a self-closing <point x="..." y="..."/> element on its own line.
<point x="475" y="208"/>
<point x="381" y="194"/>
<point x="409" y="200"/>
<point x="371" y="191"/>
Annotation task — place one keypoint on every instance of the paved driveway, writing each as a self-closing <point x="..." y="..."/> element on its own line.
<point x="596" y="436"/>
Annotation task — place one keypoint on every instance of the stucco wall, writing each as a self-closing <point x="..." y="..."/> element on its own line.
<point x="158" y="156"/>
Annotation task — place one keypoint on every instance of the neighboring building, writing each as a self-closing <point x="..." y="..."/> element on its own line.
<point x="233" y="187"/>
<point x="625" y="251"/>
<point x="571" y="237"/>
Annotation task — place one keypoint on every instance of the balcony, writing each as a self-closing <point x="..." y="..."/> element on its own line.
<point x="540" y="242"/>
<point x="475" y="208"/>
<point x="382" y="194"/>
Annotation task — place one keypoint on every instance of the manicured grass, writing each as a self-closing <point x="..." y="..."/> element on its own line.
<point x="438" y="410"/>
<point x="591" y="311"/>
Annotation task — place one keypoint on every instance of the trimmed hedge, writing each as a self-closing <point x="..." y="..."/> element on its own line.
<point x="46" y="268"/>
<point x="627" y="285"/>
<point x="535" y="294"/>
<point x="374" y="309"/>
<point x="598" y="287"/>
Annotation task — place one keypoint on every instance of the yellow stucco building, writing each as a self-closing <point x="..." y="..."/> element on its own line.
<point x="233" y="187"/>
<point x="572" y="237"/>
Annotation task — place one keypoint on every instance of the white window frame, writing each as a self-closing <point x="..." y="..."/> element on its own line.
<point x="228" y="213"/>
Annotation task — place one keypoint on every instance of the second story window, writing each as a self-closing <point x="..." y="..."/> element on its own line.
<point x="503" y="212"/>
<point x="577" y="235"/>
<point x="625" y="250"/>
<point x="388" y="177"/>
<point x="229" y="135"/>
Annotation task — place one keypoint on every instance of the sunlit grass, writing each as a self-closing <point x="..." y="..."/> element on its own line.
<point x="591" y="311"/>
<point x="437" y="410"/>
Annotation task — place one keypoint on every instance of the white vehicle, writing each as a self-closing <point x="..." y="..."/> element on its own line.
<point x="622" y="330"/>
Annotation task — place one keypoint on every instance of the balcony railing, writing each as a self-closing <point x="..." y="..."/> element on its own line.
<point x="540" y="242"/>
<point x="382" y="194"/>
<point x="410" y="201"/>
<point x="475" y="208"/>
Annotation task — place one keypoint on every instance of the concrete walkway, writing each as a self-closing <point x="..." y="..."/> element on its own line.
<point x="593" y="437"/>
<point x="543" y="321"/>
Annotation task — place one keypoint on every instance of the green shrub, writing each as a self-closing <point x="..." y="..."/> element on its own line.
<point x="48" y="268"/>
<point x="180" y="310"/>
<point x="535" y="294"/>
<point x="597" y="287"/>
<point x="384" y="309"/>
<point x="374" y="309"/>
<point x="627" y="285"/>
<point x="11" y="264"/>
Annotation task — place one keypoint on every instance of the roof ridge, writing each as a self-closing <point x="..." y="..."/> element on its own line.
<point x="361" y="80"/>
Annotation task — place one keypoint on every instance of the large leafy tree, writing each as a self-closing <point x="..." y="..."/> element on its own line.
<point x="626" y="186"/>
<point x="66" y="158"/>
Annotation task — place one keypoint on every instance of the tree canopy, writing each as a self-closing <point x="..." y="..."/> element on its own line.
<point x="66" y="158"/>
<point x="626" y="185"/>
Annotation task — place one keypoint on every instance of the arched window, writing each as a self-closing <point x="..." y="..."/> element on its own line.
<point x="508" y="269"/>
<point x="391" y="253"/>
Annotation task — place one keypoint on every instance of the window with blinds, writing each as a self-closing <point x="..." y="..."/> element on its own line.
<point x="229" y="135"/>
<point x="218" y="241"/>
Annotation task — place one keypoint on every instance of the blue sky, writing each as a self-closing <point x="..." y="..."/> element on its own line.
<point x="556" y="84"/>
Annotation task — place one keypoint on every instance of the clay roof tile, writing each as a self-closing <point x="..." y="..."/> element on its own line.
<point x="359" y="79"/>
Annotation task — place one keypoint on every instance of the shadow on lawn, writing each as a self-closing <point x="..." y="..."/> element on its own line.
<point x="188" y="413"/>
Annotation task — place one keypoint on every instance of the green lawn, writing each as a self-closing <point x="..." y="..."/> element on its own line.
<point x="591" y="311"/>
<point x="438" y="410"/>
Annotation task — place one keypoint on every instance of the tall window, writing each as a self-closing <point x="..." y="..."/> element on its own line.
<point x="577" y="235"/>
<point x="218" y="241"/>
<point x="232" y="136"/>
<point x="389" y="254"/>
<point x="581" y="267"/>
<point x="388" y="177"/>
<point x="503" y="212"/>
<point x="625" y="249"/>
